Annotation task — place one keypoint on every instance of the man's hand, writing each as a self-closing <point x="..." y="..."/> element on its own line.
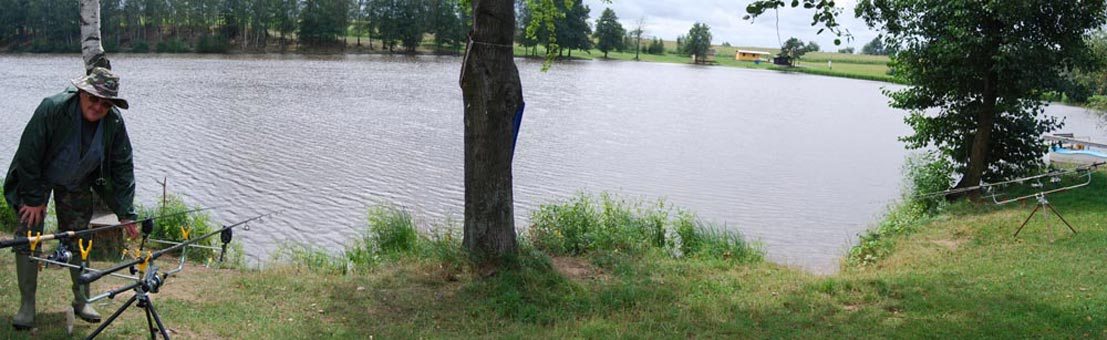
<point x="130" y="228"/>
<point x="32" y="216"/>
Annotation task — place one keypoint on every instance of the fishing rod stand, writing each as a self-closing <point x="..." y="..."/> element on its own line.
<point x="149" y="284"/>
<point x="1043" y="203"/>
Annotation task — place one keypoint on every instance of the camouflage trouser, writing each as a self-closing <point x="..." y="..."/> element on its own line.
<point x="74" y="211"/>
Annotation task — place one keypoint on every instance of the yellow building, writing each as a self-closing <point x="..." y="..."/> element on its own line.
<point x="743" y="55"/>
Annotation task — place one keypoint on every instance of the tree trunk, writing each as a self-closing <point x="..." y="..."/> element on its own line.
<point x="492" y="93"/>
<point x="980" y="151"/>
<point x="638" y="47"/>
<point x="92" y="51"/>
<point x="981" y="144"/>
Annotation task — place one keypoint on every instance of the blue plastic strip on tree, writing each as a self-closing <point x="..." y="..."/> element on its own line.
<point x="518" y="124"/>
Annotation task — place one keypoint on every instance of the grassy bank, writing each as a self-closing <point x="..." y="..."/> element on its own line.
<point x="958" y="273"/>
<point x="854" y="66"/>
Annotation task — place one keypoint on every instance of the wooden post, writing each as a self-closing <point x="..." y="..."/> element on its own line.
<point x="164" y="192"/>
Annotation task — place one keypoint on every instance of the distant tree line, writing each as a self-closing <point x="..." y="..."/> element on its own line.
<point x="219" y="25"/>
<point x="1086" y="83"/>
<point x="569" y="31"/>
<point x="876" y="47"/>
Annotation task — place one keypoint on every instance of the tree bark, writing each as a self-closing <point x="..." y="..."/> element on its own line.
<point x="638" y="47"/>
<point x="980" y="151"/>
<point x="492" y="93"/>
<point x="981" y="144"/>
<point x="92" y="50"/>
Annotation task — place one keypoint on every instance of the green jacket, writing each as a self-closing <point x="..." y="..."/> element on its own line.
<point x="43" y="138"/>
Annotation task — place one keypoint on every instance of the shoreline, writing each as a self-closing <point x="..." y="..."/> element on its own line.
<point x="956" y="274"/>
<point x="664" y="59"/>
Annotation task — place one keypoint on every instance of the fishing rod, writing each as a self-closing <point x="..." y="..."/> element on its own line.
<point x="226" y="234"/>
<point x="1043" y="204"/>
<point x="1086" y="173"/>
<point x="148" y="277"/>
<point x="985" y="186"/>
<point x="147" y="228"/>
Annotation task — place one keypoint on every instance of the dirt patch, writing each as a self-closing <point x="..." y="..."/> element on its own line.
<point x="192" y="284"/>
<point x="576" y="268"/>
<point x="950" y="245"/>
<point x="188" y="285"/>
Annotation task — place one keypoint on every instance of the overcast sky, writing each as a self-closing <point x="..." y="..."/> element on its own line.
<point x="669" y="18"/>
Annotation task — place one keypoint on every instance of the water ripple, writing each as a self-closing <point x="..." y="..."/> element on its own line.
<point x="798" y="162"/>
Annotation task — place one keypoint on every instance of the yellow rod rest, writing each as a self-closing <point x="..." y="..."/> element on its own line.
<point x="86" y="251"/>
<point x="142" y="266"/>
<point x="34" y="240"/>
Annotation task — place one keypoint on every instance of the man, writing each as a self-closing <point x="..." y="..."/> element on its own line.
<point x="75" y="143"/>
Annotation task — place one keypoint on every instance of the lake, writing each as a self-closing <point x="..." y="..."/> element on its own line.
<point x="800" y="163"/>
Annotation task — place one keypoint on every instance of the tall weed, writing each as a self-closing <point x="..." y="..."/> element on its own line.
<point x="586" y="224"/>
<point x="390" y="236"/>
<point x="172" y="228"/>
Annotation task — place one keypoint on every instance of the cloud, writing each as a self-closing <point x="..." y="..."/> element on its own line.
<point x="670" y="18"/>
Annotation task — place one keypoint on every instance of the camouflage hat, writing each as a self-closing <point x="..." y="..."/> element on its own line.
<point x="101" y="82"/>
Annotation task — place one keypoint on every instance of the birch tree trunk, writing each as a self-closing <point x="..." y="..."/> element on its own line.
<point x="92" y="50"/>
<point x="492" y="93"/>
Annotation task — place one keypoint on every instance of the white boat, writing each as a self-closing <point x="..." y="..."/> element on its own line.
<point x="1072" y="150"/>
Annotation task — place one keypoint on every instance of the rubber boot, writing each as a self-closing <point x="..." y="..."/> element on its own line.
<point x="26" y="272"/>
<point x="81" y="308"/>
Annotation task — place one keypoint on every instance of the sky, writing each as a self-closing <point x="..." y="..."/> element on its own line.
<point x="670" y="18"/>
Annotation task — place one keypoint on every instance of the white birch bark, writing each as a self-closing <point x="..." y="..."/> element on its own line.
<point x="92" y="50"/>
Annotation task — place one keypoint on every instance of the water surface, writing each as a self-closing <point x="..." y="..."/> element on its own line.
<point x="801" y="163"/>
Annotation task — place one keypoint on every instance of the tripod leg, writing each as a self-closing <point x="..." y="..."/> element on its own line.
<point x="112" y="318"/>
<point x="1062" y="218"/>
<point x="153" y="312"/>
<point x="150" y="321"/>
<point x="1027" y="220"/>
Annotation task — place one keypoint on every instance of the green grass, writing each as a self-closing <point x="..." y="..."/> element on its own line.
<point x="958" y="274"/>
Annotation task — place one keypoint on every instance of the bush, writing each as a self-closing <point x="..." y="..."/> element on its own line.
<point x="44" y="45"/>
<point x="110" y="46"/>
<point x="170" y="228"/>
<point x="213" y="44"/>
<point x="8" y="219"/>
<point x="1097" y="102"/>
<point x="173" y="46"/>
<point x="927" y="173"/>
<point x="143" y="47"/>
<point x="657" y="46"/>
<point x="584" y="225"/>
